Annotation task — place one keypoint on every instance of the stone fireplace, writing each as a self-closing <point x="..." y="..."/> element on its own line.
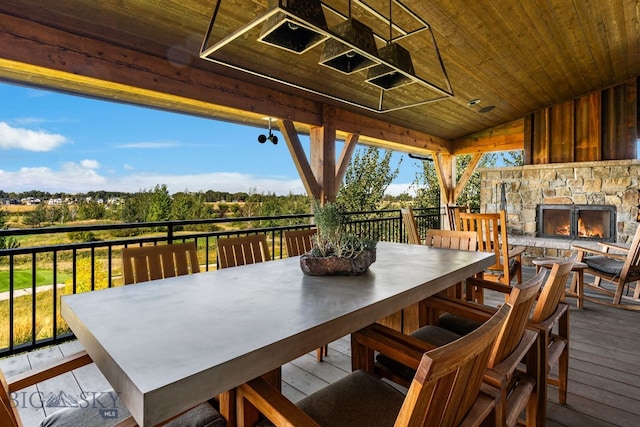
<point x="575" y="222"/>
<point x="584" y="185"/>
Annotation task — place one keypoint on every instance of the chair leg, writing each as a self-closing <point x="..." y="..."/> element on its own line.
<point x="321" y="352"/>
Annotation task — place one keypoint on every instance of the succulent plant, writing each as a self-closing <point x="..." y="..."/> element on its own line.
<point x="332" y="238"/>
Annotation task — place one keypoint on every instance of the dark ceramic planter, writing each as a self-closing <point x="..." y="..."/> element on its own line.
<point x="336" y="266"/>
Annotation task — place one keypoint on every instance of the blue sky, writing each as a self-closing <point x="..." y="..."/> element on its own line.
<point x="60" y="143"/>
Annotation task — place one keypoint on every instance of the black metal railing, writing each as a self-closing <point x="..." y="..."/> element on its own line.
<point x="30" y="317"/>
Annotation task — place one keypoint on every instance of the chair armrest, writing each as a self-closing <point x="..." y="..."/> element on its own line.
<point x="547" y="324"/>
<point x="487" y="284"/>
<point x="34" y="376"/>
<point x="614" y="246"/>
<point x="272" y="404"/>
<point x="503" y="371"/>
<point x="403" y="348"/>
<point x="516" y="251"/>
<point x="468" y="309"/>
<point x="597" y="252"/>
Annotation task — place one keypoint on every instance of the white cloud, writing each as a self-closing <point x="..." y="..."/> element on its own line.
<point x="150" y="144"/>
<point x="395" y="189"/>
<point x="80" y="178"/>
<point x="25" y="139"/>
<point x="90" y="164"/>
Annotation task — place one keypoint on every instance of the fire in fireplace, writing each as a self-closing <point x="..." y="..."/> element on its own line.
<point x="589" y="222"/>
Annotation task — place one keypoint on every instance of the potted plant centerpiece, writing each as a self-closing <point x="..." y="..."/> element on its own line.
<point x="335" y="251"/>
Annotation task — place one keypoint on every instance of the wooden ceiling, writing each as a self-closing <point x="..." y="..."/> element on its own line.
<point x="517" y="57"/>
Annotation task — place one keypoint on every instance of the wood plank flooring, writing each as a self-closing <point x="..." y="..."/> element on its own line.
<point x="604" y="374"/>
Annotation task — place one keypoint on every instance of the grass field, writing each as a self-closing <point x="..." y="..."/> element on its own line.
<point x="22" y="279"/>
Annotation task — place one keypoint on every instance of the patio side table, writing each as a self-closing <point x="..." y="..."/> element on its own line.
<point x="578" y="269"/>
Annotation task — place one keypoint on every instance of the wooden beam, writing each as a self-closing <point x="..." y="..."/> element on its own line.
<point x="41" y="56"/>
<point x="445" y="171"/>
<point x="464" y="178"/>
<point x="345" y="157"/>
<point x="299" y="158"/>
<point x="507" y="137"/>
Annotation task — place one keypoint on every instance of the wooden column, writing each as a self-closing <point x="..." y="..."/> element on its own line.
<point x="323" y="155"/>
<point x="450" y="190"/>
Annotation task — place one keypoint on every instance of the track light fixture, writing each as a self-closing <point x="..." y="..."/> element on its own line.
<point x="263" y="138"/>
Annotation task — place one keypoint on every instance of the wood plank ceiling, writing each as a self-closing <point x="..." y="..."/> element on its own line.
<point x="517" y="57"/>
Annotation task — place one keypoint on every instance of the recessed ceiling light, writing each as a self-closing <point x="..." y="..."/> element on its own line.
<point x="486" y="109"/>
<point x="475" y="101"/>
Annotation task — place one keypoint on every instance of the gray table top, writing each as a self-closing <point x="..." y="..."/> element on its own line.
<point x="170" y="344"/>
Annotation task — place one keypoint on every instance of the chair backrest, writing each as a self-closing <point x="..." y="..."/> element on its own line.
<point x="450" y="239"/>
<point x="243" y="250"/>
<point x="144" y="263"/>
<point x="631" y="268"/>
<point x="553" y="289"/>
<point x="299" y="242"/>
<point x="410" y="225"/>
<point x="453" y="213"/>
<point x="521" y="299"/>
<point x="492" y="237"/>
<point x="8" y="408"/>
<point x="447" y="382"/>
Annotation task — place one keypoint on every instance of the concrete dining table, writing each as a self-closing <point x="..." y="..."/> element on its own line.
<point x="168" y="345"/>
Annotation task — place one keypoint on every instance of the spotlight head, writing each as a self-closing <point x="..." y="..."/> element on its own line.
<point x="262" y="139"/>
<point x="273" y="139"/>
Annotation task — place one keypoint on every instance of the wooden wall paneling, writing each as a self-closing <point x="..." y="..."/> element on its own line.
<point x="561" y="134"/>
<point x="620" y="121"/>
<point x="540" y="146"/>
<point x="528" y="139"/>
<point x="632" y="119"/>
<point x="587" y="127"/>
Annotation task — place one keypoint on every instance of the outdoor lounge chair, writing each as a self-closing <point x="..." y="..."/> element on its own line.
<point x="444" y="392"/>
<point x="616" y="265"/>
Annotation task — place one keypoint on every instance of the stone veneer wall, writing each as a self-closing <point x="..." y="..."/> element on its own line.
<point x="603" y="183"/>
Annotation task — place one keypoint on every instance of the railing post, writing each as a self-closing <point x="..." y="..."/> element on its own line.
<point x="170" y="233"/>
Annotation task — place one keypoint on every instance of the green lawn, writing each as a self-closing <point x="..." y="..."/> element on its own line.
<point x="23" y="279"/>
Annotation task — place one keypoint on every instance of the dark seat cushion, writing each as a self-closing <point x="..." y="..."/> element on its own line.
<point x="107" y="409"/>
<point x="458" y="324"/>
<point x="604" y="264"/>
<point x="358" y="399"/>
<point x="432" y="334"/>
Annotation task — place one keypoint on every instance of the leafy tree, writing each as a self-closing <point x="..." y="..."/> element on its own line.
<point x="36" y="217"/>
<point x="428" y="189"/>
<point x="160" y="207"/>
<point x="513" y="158"/>
<point x="6" y="242"/>
<point x="91" y="210"/>
<point x="366" y="180"/>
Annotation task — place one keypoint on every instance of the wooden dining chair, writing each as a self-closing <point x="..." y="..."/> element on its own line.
<point x="299" y="242"/>
<point x="444" y="392"/>
<point x="515" y="390"/>
<point x="243" y="250"/>
<point x="452" y="239"/>
<point x="614" y="265"/>
<point x="97" y="409"/>
<point x="550" y="321"/>
<point x="410" y="226"/>
<point x="144" y="263"/>
<point x="453" y="213"/>
<point x="492" y="237"/>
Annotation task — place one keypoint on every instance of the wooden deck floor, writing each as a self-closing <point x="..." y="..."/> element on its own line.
<point x="604" y="375"/>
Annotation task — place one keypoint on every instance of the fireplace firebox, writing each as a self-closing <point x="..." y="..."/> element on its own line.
<point x="588" y="222"/>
